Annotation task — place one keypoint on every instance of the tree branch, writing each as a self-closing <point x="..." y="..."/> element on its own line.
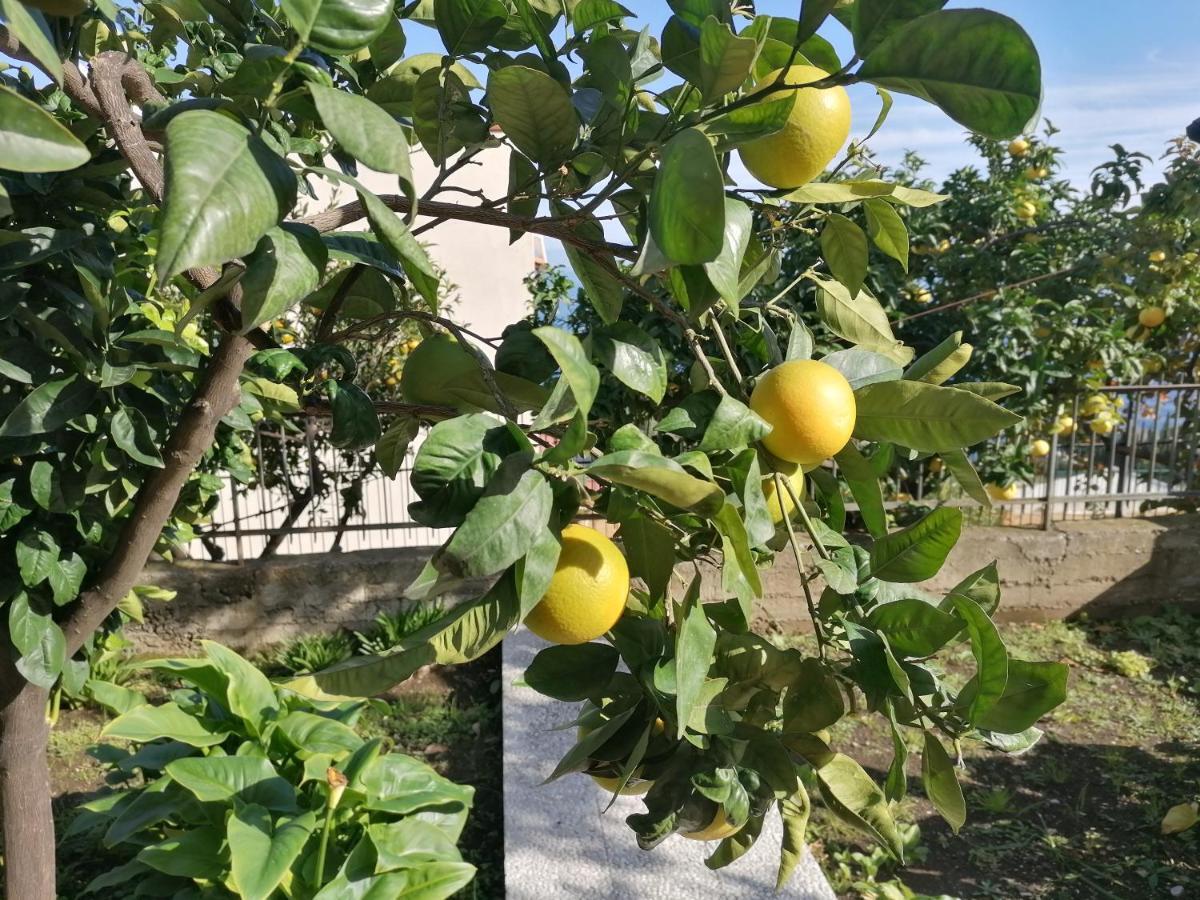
<point x="990" y="292"/>
<point x="73" y="81"/>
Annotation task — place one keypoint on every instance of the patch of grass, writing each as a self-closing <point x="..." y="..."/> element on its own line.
<point x="1078" y="816"/>
<point x="309" y="653"/>
<point x="391" y="628"/>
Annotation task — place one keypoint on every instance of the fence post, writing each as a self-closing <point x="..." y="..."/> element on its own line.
<point x="1051" y="466"/>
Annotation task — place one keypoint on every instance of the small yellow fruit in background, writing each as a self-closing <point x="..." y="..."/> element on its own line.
<point x="810" y="408"/>
<point x="391" y="381"/>
<point x="287" y="339"/>
<point x="1026" y="210"/>
<point x="935" y="465"/>
<point x="1102" y="424"/>
<point x="777" y="506"/>
<point x="816" y="130"/>
<point x="1018" y="147"/>
<point x="1042" y="331"/>
<point x="1095" y="364"/>
<point x="943" y="245"/>
<point x="1008" y="491"/>
<point x="1158" y="256"/>
<point x="1152" y="316"/>
<point x="587" y="592"/>
<point x="716" y="830"/>
<point x="1095" y="404"/>
<point x="924" y="295"/>
<point x="1065" y="426"/>
<point x="1039" y="448"/>
<point x="1152" y="366"/>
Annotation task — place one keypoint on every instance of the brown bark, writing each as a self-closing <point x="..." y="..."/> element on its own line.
<point x="25" y="788"/>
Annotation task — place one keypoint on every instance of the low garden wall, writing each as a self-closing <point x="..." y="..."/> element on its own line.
<point x="1105" y="567"/>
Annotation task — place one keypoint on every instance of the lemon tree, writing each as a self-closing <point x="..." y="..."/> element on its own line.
<point x="154" y="155"/>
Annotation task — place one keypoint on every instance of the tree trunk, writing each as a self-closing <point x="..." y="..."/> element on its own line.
<point x="28" y="823"/>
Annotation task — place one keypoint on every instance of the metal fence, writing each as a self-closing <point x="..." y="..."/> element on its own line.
<point x="307" y="497"/>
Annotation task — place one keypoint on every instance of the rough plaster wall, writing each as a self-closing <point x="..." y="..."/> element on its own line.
<point x="1101" y="567"/>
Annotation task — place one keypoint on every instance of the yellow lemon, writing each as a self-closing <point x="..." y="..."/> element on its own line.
<point x="1026" y="210"/>
<point x="1064" y="426"/>
<point x="810" y="407"/>
<point x="1008" y="491"/>
<point x="1018" y="147"/>
<point x="778" y="506"/>
<point x="1102" y="424"/>
<point x="287" y="339"/>
<point x="943" y="246"/>
<point x="935" y="465"/>
<point x="923" y="296"/>
<point x="816" y="129"/>
<point x="716" y="830"/>
<point x="632" y="789"/>
<point x="1095" y="404"/>
<point x="587" y="591"/>
<point x="391" y="381"/>
<point x="1153" y="366"/>
<point x="1152" y="316"/>
<point x="1039" y="448"/>
<point x="1041" y="331"/>
<point x="1157" y="256"/>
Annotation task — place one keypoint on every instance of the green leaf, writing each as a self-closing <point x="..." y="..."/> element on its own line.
<point x="812" y="14"/>
<point x="650" y="551"/>
<point x="864" y="486"/>
<point x="603" y="291"/>
<point x="453" y="466"/>
<point x="31" y="31"/>
<point x="794" y="811"/>
<point x="391" y="450"/>
<point x="467" y="26"/>
<point x="687" y="203"/>
<point x="261" y="853"/>
<point x="43" y="659"/>
<point x="739" y="574"/>
<point x="981" y="587"/>
<point x="1031" y="691"/>
<point x="366" y="132"/>
<point x="191" y="854"/>
<point x="874" y="20"/>
<point x="859" y="319"/>
<point x="219" y="779"/>
<point x="855" y="799"/>
<point x="248" y="693"/>
<point x="355" y="422"/>
<point x="916" y="553"/>
<point x="150" y="723"/>
<point x="959" y="466"/>
<point x="49" y="406"/>
<point x="887" y="230"/>
<point x="536" y="569"/>
<point x="661" y="477"/>
<point x="131" y="432"/>
<point x="401" y="785"/>
<point x="635" y="358"/>
<point x="25" y="626"/>
<point x="224" y="190"/>
<point x="823" y="192"/>
<point x="726" y="60"/>
<point x="117" y="699"/>
<point x="399" y="238"/>
<point x="991" y="661"/>
<point x="693" y="654"/>
<point x="32" y="140"/>
<point x="535" y="112"/>
<point x="37" y="554"/>
<point x="733" y="425"/>
<point x="980" y="67"/>
<point x="844" y="247"/>
<point x="573" y="672"/>
<point x="338" y="26"/>
<point x="913" y="627"/>
<point x="941" y="362"/>
<point x="311" y="734"/>
<point x="388" y="49"/>
<point x="504" y="523"/>
<point x="572" y="360"/>
<point x="925" y="417"/>
<point x="896" y="784"/>
<point x="285" y="267"/>
<point x="433" y="881"/>
<point x="410" y="844"/>
<point x="941" y="783"/>
<point x="66" y="578"/>
<point x="725" y="271"/>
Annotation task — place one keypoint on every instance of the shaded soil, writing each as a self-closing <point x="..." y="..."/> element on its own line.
<point x="1079" y="815"/>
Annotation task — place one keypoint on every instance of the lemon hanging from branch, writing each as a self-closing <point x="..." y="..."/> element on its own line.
<point x="810" y="408"/>
<point x="587" y="592"/>
<point x="816" y="130"/>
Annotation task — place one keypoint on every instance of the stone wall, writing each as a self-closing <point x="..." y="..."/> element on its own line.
<point x="1105" y="568"/>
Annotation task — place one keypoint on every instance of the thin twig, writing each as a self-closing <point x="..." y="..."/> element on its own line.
<point x="990" y="292"/>
<point x="782" y="484"/>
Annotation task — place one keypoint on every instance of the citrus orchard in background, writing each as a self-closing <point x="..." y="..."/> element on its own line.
<point x="816" y="130"/>
<point x="810" y="407"/>
<point x="587" y="591"/>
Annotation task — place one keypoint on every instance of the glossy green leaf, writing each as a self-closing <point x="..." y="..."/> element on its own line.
<point x="355" y="422"/>
<point x="661" y="477"/>
<point x="150" y="723"/>
<point x="261" y="851"/>
<point x="535" y="112"/>
<point x="941" y="783"/>
<point x="1031" y="691"/>
<point x="310" y="733"/>
<point x="467" y="26"/>
<point x="960" y="468"/>
<point x="568" y="352"/>
<point x="725" y="60"/>
<point x="916" y="553"/>
<point x="895" y="785"/>
<point x="42" y="661"/>
<point x="635" y="358"/>
<point x="503" y="525"/>
<point x="980" y="67"/>
<point x="864" y="486"/>
<point x="859" y="319"/>
<point x="32" y="140"/>
<point x="66" y="578"/>
<point x="981" y="587"/>
<point x="687" y="203"/>
<point x="733" y="425"/>
<point x="338" y="26"/>
<point x="410" y="844"/>
<point x="694" y="645"/>
<point x="862" y="367"/>
<point x="725" y="271"/>
<point x="224" y="190"/>
<point x="391" y="450"/>
<point x="941" y="362"/>
<point x="131" y="432"/>
<point x="855" y="799"/>
<point x="573" y="672"/>
<point x="650" y="551"/>
<point x="844" y="247"/>
<point x="739" y="574"/>
<point x="991" y="661"/>
<point x="37" y="554"/>
<point x="248" y="693"/>
<point x="925" y="417"/>
<point x="219" y="779"/>
<point x="285" y="267"/>
<point x="388" y="49"/>
<point x="913" y="627"/>
<point x="49" y="406"/>
<point x="887" y="230"/>
<point x="195" y="853"/>
<point x="874" y="20"/>
<point x="366" y="132"/>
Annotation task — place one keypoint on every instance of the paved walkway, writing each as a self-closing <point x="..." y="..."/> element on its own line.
<point x="558" y="845"/>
